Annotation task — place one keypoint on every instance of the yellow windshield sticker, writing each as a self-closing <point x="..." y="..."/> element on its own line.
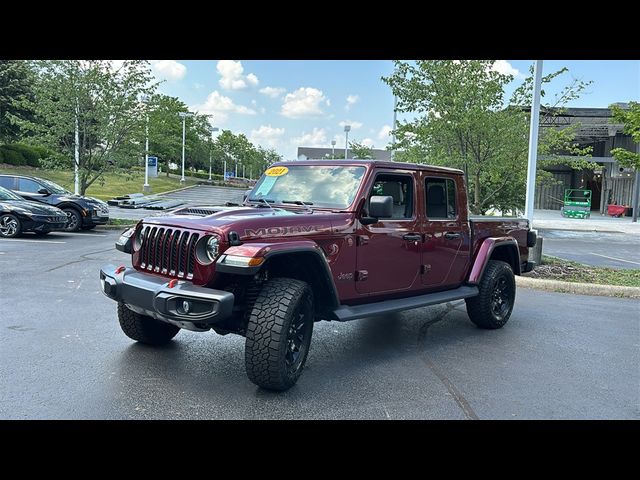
<point x="276" y="171"/>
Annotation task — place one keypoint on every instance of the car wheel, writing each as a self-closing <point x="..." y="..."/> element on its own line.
<point x="10" y="226"/>
<point x="145" y="329"/>
<point x="279" y="333"/>
<point x="492" y="307"/>
<point x="74" y="220"/>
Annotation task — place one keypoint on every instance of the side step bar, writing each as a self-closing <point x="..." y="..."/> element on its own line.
<point x="346" y="312"/>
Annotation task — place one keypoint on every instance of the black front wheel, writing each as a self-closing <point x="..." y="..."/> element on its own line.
<point x="10" y="226"/>
<point x="74" y="220"/>
<point x="279" y="333"/>
<point x="493" y="306"/>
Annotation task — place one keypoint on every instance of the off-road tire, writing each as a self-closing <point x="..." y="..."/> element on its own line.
<point x="10" y="226"/>
<point x="145" y="329"/>
<point x="492" y="308"/>
<point x="282" y="304"/>
<point x="74" y="220"/>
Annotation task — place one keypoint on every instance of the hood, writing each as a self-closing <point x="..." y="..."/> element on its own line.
<point x="33" y="207"/>
<point x="253" y="222"/>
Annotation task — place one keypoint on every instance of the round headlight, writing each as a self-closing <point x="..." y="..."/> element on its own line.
<point x="207" y="249"/>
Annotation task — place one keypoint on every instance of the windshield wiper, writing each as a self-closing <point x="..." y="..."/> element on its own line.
<point x="261" y="202"/>
<point x="299" y="202"/>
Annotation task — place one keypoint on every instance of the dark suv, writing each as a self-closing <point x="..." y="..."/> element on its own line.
<point x="82" y="212"/>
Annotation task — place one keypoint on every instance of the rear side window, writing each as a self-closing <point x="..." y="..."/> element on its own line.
<point x="441" y="198"/>
<point x="7" y="182"/>
<point x="28" y="186"/>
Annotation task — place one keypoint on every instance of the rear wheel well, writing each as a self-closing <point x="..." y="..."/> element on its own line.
<point x="508" y="254"/>
<point x="305" y="266"/>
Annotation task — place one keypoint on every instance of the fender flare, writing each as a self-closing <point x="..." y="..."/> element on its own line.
<point x="484" y="255"/>
<point x="268" y="251"/>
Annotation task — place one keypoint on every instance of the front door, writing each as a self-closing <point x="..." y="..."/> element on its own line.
<point x="28" y="189"/>
<point x="446" y="246"/>
<point x="388" y="252"/>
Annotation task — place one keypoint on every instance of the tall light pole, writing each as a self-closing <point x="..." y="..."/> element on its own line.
<point x="395" y="122"/>
<point x="76" y="166"/>
<point x="146" y="187"/>
<point x="533" y="141"/>
<point x="333" y="149"/>
<point x="213" y="130"/>
<point x="184" y="116"/>
<point x="346" y="139"/>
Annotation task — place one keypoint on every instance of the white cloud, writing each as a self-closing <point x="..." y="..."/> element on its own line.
<point x="385" y="133"/>
<point x="198" y="86"/>
<point x="168" y="69"/>
<point x="266" y="135"/>
<point x="273" y="92"/>
<point x="368" y="142"/>
<point x="315" y="138"/>
<point x="231" y="76"/>
<point x="304" y="102"/>
<point x="505" y="68"/>
<point x="351" y="101"/>
<point x="220" y="107"/>
<point x="354" y="125"/>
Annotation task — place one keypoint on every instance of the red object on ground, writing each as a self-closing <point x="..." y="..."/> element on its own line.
<point x="616" y="210"/>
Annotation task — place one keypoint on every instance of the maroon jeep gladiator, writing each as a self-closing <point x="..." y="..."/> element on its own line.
<point x="316" y="240"/>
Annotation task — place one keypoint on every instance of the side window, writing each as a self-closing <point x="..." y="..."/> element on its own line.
<point x="400" y="188"/>
<point x="28" y="186"/>
<point x="441" y="198"/>
<point x="7" y="182"/>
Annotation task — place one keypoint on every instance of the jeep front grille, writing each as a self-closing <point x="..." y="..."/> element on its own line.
<point x="167" y="251"/>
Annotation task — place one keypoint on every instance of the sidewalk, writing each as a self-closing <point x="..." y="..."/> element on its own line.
<point x="552" y="220"/>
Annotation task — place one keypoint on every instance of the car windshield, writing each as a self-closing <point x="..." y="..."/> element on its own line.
<point x="318" y="185"/>
<point x="53" y="187"/>
<point x="8" y="195"/>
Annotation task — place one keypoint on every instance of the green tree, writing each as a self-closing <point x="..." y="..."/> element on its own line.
<point x="361" y="151"/>
<point x="462" y="120"/>
<point x="103" y="100"/>
<point x="630" y="117"/>
<point x="16" y="93"/>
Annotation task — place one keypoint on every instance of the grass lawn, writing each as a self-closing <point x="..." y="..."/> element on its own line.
<point x="115" y="183"/>
<point x="567" y="271"/>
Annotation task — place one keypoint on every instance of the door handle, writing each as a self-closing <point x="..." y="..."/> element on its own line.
<point x="412" y="237"/>
<point x="452" y="235"/>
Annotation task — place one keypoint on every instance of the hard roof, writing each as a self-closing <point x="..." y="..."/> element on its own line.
<point x="376" y="163"/>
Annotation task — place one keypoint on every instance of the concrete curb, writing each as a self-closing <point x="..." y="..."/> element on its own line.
<point x="592" y="230"/>
<point x="578" y="288"/>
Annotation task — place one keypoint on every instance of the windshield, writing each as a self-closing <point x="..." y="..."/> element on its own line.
<point x="318" y="185"/>
<point x="8" y="195"/>
<point x="53" y="187"/>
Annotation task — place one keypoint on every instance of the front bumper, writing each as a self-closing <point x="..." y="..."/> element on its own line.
<point x="42" y="226"/>
<point x="185" y="305"/>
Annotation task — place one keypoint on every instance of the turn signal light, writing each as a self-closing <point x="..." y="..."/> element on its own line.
<point x="120" y="269"/>
<point x="172" y="283"/>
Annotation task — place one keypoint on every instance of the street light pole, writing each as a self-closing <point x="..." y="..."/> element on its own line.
<point x="346" y="139"/>
<point x="76" y="162"/>
<point x="533" y="141"/>
<point x="213" y="130"/>
<point x="333" y="149"/>
<point x="184" y="116"/>
<point x="146" y="188"/>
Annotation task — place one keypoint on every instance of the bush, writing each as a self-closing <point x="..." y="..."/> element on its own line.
<point x="20" y="154"/>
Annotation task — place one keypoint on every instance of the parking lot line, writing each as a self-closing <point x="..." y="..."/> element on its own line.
<point x="83" y="234"/>
<point x="614" y="258"/>
<point x="31" y="241"/>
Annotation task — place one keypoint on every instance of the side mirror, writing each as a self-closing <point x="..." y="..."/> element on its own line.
<point x="246" y="194"/>
<point x="381" y="206"/>
<point x="44" y="191"/>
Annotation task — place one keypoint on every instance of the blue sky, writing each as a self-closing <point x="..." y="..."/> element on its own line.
<point x="286" y="104"/>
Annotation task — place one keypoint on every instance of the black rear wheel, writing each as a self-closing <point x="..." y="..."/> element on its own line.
<point x="10" y="226"/>
<point x="279" y="333"/>
<point x="493" y="306"/>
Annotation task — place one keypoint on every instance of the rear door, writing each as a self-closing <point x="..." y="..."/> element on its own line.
<point x="7" y="182"/>
<point x="388" y="252"/>
<point x="447" y="234"/>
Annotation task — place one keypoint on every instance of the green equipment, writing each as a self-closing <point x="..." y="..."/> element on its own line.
<point x="577" y="203"/>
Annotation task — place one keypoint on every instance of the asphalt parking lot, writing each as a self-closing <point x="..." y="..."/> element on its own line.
<point x="63" y="355"/>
